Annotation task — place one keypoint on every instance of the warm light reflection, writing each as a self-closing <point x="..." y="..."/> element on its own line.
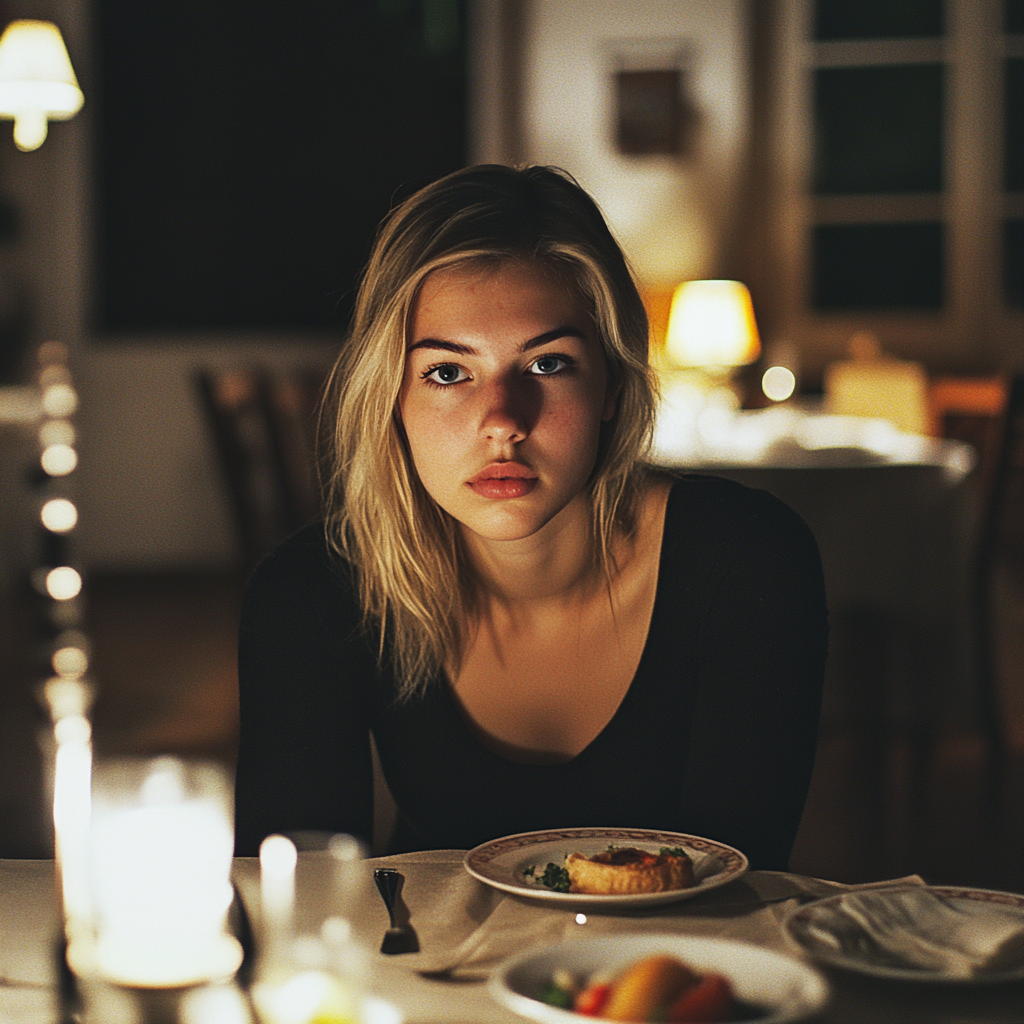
<point x="712" y="324"/>
<point x="307" y="997"/>
<point x="63" y="583"/>
<point x="70" y="661"/>
<point x="58" y="460"/>
<point x="59" y="515"/>
<point x="37" y="81"/>
<point x="59" y="400"/>
<point x="778" y="383"/>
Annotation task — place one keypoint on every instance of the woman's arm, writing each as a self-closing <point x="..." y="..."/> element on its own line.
<point x="304" y="755"/>
<point x="755" y="721"/>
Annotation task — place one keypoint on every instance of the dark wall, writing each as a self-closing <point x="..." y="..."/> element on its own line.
<point x="247" y="149"/>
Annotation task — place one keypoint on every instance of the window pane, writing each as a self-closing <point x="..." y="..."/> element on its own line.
<point x="1015" y="15"/>
<point x="877" y="19"/>
<point x="1015" y="125"/>
<point x="877" y="266"/>
<point x="878" y="129"/>
<point x="1013" y="262"/>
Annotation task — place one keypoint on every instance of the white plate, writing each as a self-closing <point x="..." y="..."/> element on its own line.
<point x="501" y="862"/>
<point x="821" y="914"/>
<point x="784" y="988"/>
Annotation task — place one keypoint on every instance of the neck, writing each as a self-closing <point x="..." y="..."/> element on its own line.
<point x="556" y="563"/>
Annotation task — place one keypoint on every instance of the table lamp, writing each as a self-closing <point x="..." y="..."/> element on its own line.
<point x="37" y="82"/>
<point x="711" y="327"/>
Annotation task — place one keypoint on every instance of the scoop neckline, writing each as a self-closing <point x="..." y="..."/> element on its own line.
<point x="455" y="707"/>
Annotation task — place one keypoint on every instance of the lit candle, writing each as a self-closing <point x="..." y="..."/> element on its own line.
<point x="278" y="858"/>
<point x="161" y="862"/>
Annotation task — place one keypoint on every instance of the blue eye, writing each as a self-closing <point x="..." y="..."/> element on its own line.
<point x="548" y="365"/>
<point x="446" y="373"/>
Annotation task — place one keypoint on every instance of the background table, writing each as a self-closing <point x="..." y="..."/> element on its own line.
<point x="469" y="927"/>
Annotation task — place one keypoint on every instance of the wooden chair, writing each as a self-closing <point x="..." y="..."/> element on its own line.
<point x="261" y="426"/>
<point x="1000" y="549"/>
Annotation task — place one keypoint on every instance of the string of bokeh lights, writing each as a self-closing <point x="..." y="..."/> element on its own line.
<point x="57" y="578"/>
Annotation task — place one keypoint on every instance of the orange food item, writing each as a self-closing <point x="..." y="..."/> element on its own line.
<point x="627" y="871"/>
<point x="711" y="999"/>
<point x="652" y="984"/>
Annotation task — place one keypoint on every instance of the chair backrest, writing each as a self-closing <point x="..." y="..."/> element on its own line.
<point x="263" y="432"/>
<point x="1002" y="529"/>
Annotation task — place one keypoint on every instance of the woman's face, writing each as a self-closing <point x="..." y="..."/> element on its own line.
<point x="504" y="393"/>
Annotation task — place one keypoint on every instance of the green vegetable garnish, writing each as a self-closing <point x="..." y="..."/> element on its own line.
<point x="674" y="851"/>
<point x="554" y="876"/>
<point x="555" y="995"/>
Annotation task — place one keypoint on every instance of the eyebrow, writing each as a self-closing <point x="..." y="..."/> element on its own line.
<point x="564" y="331"/>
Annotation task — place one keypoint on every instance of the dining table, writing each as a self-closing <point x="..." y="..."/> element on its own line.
<point x="465" y="929"/>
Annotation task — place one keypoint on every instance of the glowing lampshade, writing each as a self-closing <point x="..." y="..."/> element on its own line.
<point x="37" y="82"/>
<point x="712" y="324"/>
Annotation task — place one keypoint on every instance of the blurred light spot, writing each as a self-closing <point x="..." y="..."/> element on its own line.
<point x="336" y="931"/>
<point x="54" y="373"/>
<point x="70" y="661"/>
<point x="778" y="383"/>
<point x="72" y="729"/>
<point x="345" y="848"/>
<point x="278" y="856"/>
<point x="581" y="918"/>
<point x="59" y="400"/>
<point x="58" y="459"/>
<point x="59" y="515"/>
<point x="66" y="697"/>
<point x="221" y="1004"/>
<point x="63" y="583"/>
<point x="56" y="432"/>
<point x="379" y="1011"/>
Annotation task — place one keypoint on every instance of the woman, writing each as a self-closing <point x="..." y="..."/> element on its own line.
<point x="539" y="630"/>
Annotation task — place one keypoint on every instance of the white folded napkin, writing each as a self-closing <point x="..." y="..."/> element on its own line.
<point x="918" y="929"/>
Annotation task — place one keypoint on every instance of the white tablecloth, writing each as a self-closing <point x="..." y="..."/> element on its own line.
<point x="472" y="927"/>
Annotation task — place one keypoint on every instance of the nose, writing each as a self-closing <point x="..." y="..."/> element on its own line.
<point x="506" y="412"/>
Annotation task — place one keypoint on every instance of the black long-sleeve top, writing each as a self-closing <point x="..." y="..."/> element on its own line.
<point x="714" y="737"/>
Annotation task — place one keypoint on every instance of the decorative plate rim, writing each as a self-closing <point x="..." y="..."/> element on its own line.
<point x="478" y="860"/>
<point x="849" y="963"/>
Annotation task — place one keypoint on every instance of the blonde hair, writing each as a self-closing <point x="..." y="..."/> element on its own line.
<point x="409" y="564"/>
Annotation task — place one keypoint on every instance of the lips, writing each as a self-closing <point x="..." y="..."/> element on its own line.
<point x="502" y="480"/>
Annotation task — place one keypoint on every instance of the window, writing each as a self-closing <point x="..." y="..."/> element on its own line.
<point x="897" y="148"/>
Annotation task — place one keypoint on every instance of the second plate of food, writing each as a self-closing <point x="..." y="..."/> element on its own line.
<point x="533" y="863"/>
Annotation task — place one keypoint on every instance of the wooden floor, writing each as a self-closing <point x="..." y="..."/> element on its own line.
<point x="164" y="662"/>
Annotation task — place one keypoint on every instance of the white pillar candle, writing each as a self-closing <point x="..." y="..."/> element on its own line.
<point x="161" y="862"/>
<point x="278" y="858"/>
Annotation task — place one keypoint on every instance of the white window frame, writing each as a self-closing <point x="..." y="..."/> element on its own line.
<point x="975" y="331"/>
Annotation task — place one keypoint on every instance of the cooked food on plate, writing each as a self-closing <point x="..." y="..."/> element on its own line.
<point x="618" y="871"/>
<point x="657" y="988"/>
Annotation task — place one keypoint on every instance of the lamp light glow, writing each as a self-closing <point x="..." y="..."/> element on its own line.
<point x="37" y="82"/>
<point x="712" y="324"/>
